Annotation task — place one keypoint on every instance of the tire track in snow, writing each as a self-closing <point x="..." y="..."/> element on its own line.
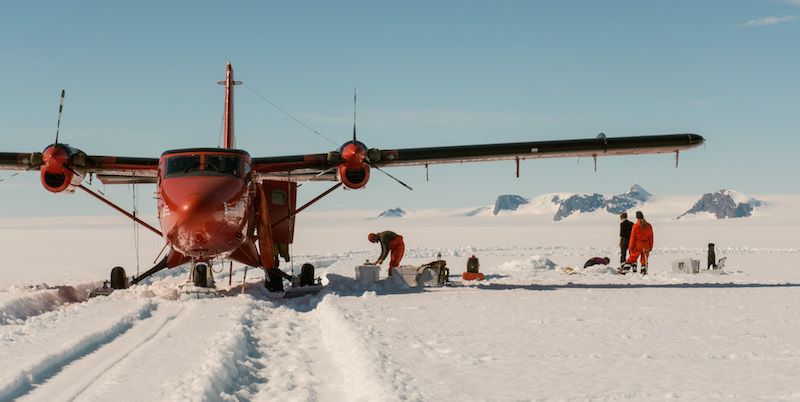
<point x="287" y="340"/>
<point x="38" y="350"/>
<point x="200" y="354"/>
<point x="81" y="374"/>
<point x="370" y="375"/>
<point x="225" y="362"/>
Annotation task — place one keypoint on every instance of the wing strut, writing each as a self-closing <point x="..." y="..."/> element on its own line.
<point x="308" y="204"/>
<point x="120" y="210"/>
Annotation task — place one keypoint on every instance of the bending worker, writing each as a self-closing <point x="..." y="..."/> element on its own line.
<point x="640" y="245"/>
<point x="390" y="241"/>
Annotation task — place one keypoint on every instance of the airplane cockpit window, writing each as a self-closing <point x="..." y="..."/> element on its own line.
<point x="182" y="165"/>
<point x="223" y="164"/>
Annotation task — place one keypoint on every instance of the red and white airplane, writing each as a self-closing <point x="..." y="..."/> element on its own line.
<point x="223" y="203"/>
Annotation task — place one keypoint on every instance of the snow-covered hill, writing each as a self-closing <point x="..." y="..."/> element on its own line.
<point x="393" y="213"/>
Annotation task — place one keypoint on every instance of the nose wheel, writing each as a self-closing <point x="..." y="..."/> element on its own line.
<point x="200" y="285"/>
<point x="200" y="276"/>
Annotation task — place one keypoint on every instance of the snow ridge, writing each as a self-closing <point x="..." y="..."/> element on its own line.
<point x="39" y="300"/>
<point x="63" y="351"/>
<point x="222" y="366"/>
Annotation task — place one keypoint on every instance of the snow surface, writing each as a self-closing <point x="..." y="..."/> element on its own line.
<point x="533" y="330"/>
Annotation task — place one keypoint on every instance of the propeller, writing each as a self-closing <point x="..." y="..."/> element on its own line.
<point x="387" y="173"/>
<point x="366" y="157"/>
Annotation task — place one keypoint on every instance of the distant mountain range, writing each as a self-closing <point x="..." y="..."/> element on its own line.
<point x="721" y="205"/>
<point x="616" y="204"/>
<point x="579" y="203"/>
<point x="724" y="204"/>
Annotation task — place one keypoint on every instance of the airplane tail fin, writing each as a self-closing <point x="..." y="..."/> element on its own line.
<point x="228" y="139"/>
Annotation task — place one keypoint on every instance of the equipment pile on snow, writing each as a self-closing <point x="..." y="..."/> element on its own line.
<point x="473" y="267"/>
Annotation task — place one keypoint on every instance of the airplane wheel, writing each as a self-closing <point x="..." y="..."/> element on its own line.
<point x="200" y="276"/>
<point x="118" y="278"/>
<point x="273" y="282"/>
<point x="307" y="275"/>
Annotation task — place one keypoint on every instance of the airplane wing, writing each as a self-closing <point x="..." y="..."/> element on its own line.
<point x="320" y="166"/>
<point x="16" y="161"/>
<point x="109" y="169"/>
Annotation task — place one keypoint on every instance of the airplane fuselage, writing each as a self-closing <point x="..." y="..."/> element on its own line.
<point x="205" y="200"/>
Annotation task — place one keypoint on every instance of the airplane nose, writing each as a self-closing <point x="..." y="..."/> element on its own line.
<point x="192" y="204"/>
<point x="205" y="217"/>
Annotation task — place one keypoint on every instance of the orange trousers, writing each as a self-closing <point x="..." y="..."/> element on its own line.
<point x="641" y="254"/>
<point x="397" y="248"/>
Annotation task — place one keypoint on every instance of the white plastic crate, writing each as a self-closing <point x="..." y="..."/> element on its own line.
<point x="368" y="273"/>
<point x="408" y="273"/>
<point x="686" y="265"/>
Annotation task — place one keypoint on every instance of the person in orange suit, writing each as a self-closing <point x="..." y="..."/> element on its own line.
<point x="390" y="242"/>
<point x="640" y="245"/>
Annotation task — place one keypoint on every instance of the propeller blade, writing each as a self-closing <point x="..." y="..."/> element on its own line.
<point x="60" y="109"/>
<point x="355" y="91"/>
<point x="9" y="177"/>
<point x="387" y="173"/>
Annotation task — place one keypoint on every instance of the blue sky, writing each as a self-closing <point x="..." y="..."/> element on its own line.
<point x="140" y="78"/>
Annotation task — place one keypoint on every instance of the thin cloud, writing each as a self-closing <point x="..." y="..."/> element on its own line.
<point x="768" y="21"/>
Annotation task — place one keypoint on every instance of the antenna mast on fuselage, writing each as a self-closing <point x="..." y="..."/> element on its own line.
<point x="227" y="124"/>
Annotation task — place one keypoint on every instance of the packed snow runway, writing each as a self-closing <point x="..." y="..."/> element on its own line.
<point x="531" y="331"/>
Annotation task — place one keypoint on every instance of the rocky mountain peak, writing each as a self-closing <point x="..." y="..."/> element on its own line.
<point x="508" y="202"/>
<point x="724" y="204"/>
<point x="393" y="213"/>
<point x="638" y="192"/>
<point x="616" y="204"/>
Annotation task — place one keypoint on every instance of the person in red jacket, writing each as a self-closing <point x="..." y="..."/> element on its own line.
<point x="390" y="242"/>
<point x="640" y="245"/>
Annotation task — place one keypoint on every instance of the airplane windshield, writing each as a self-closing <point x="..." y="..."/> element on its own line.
<point x="223" y="164"/>
<point x="183" y="165"/>
<point x="212" y="165"/>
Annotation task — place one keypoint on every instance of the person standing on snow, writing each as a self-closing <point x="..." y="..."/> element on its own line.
<point x="640" y="245"/>
<point x="625" y="227"/>
<point x="390" y="242"/>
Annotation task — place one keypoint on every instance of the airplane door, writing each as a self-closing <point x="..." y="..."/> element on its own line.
<point x="281" y="199"/>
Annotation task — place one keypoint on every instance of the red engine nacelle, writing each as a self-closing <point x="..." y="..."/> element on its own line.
<point x="353" y="172"/>
<point x="353" y="177"/>
<point x="56" y="174"/>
